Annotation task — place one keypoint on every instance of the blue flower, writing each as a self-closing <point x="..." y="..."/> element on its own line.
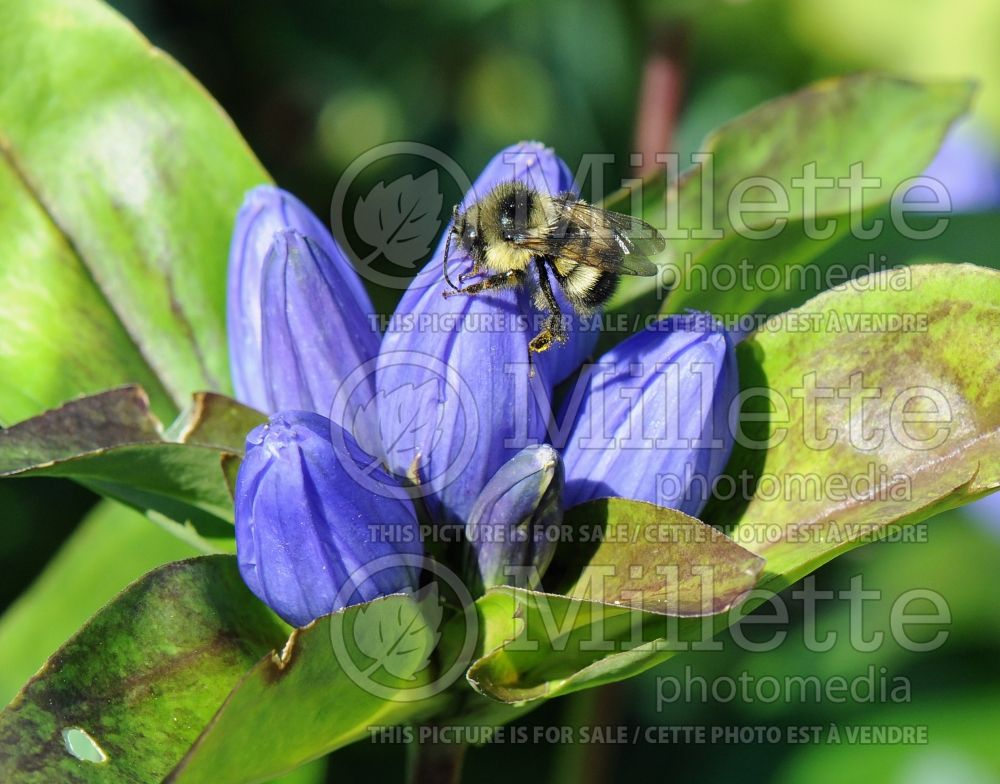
<point x="318" y="312"/>
<point x="315" y="335"/>
<point x="310" y="539"/>
<point x="459" y="367"/>
<point x="515" y="520"/>
<point x="652" y="423"/>
<point x="447" y="404"/>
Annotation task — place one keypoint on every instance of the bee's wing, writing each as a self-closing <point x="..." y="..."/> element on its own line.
<point x="638" y="237"/>
<point x="588" y="235"/>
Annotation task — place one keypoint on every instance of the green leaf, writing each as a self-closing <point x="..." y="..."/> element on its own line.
<point x="540" y="645"/>
<point x="325" y="689"/>
<point x="961" y="743"/>
<point x="314" y="772"/>
<point x="49" y="308"/>
<point x="112" y="443"/>
<point x="116" y="205"/>
<point x="827" y="124"/>
<point x="839" y="394"/>
<point x="660" y="560"/>
<point x="968" y="237"/>
<point x="650" y="562"/>
<point x="217" y="421"/>
<point x="135" y="686"/>
<point x="112" y="547"/>
<point x="395" y="641"/>
<point x="534" y="641"/>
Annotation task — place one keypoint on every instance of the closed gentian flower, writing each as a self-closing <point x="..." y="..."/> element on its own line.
<point x="514" y="522"/>
<point x="652" y="423"/>
<point x="315" y="335"/>
<point x="267" y="211"/>
<point x="460" y="366"/>
<point x="457" y="411"/>
<point x="307" y="534"/>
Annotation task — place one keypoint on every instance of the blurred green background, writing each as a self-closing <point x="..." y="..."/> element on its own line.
<point x="312" y="85"/>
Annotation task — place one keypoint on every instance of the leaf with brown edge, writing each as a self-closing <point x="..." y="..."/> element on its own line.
<point x="112" y="443"/>
<point x="108" y="419"/>
<point x="215" y="420"/>
<point x="872" y="427"/>
<point x="140" y="679"/>
<point x="231" y="470"/>
<point x="659" y="560"/>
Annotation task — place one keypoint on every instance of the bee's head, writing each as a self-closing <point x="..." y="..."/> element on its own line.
<point x="466" y="231"/>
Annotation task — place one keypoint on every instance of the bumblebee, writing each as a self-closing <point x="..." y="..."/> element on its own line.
<point x="585" y="248"/>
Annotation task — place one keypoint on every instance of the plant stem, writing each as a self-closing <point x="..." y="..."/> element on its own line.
<point x="660" y="95"/>
<point x="579" y="763"/>
<point x="434" y="763"/>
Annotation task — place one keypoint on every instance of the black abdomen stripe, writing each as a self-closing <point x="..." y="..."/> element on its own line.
<point x="585" y="286"/>
<point x="601" y="291"/>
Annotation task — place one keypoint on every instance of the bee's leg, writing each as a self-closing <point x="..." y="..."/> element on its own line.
<point x="468" y="274"/>
<point x="503" y="280"/>
<point x="553" y="331"/>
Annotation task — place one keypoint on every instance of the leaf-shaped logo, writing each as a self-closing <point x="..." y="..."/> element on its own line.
<point x="409" y="418"/>
<point x="401" y="219"/>
<point x="399" y="638"/>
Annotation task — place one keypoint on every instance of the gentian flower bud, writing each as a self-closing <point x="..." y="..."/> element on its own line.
<point x="266" y="211"/>
<point x="653" y="420"/>
<point x="454" y="398"/>
<point x="315" y="335"/>
<point x="516" y="517"/>
<point x="306" y="532"/>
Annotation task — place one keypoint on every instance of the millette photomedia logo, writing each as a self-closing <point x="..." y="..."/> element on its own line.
<point x="390" y="647"/>
<point x="397" y="222"/>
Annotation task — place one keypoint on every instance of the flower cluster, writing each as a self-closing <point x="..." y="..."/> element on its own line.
<point x="445" y="416"/>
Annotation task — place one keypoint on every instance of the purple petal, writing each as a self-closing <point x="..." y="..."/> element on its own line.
<point x="316" y="339"/>
<point x="987" y="510"/>
<point x="968" y="167"/>
<point x="652" y="421"/>
<point x="307" y="534"/>
<point x="455" y="401"/>
<point x="540" y="167"/>
<point x="266" y="211"/>
<point x="516" y="517"/>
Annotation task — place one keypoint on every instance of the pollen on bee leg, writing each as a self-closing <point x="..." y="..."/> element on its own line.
<point x="541" y="342"/>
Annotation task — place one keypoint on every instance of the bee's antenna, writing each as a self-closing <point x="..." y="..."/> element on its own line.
<point x="447" y="248"/>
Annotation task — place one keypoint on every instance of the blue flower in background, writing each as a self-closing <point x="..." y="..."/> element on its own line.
<point x="968" y="166"/>
<point x="447" y="404"/>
